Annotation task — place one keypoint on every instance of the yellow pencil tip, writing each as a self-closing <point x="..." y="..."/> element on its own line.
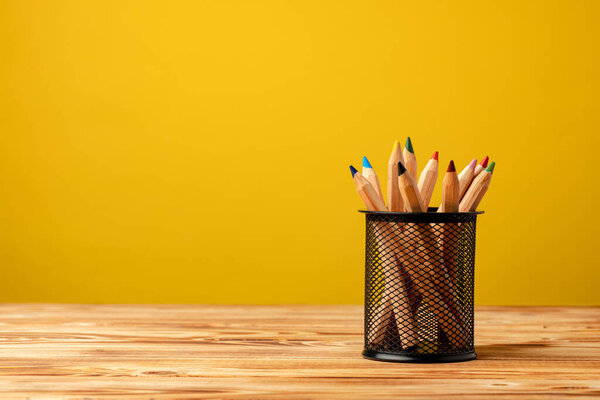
<point x="395" y="146"/>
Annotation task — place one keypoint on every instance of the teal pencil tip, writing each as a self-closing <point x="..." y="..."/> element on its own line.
<point x="490" y="167"/>
<point x="353" y="170"/>
<point x="408" y="145"/>
<point x="366" y="163"/>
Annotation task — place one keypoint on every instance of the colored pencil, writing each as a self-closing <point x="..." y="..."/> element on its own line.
<point x="366" y="192"/>
<point x="410" y="159"/>
<point x="481" y="166"/>
<point x="450" y="190"/>
<point x="409" y="190"/>
<point x="369" y="173"/>
<point x="449" y="233"/>
<point x="427" y="180"/>
<point x="466" y="176"/>
<point x="490" y="169"/>
<point x="394" y="198"/>
<point x="394" y="303"/>
<point x="477" y="190"/>
<point x="424" y="261"/>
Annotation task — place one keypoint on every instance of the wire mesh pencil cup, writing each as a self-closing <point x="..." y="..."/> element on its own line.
<point x="419" y="286"/>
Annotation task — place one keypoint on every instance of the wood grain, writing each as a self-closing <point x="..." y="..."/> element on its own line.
<point x="281" y="352"/>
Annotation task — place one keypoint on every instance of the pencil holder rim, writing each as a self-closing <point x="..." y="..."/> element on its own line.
<point x="429" y="212"/>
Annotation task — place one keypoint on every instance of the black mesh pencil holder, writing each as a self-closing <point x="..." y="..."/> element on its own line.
<point x="419" y="286"/>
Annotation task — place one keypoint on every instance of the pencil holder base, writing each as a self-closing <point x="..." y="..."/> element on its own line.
<point x="421" y="358"/>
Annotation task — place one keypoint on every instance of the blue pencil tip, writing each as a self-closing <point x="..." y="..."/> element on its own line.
<point x="353" y="170"/>
<point x="366" y="163"/>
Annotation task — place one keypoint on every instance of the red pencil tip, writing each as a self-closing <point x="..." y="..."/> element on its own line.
<point x="435" y="156"/>
<point x="484" y="162"/>
<point x="451" y="167"/>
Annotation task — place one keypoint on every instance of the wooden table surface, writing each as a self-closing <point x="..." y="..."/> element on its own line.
<point x="52" y="351"/>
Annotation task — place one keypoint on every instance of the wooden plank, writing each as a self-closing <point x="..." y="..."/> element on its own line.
<point x="64" y="351"/>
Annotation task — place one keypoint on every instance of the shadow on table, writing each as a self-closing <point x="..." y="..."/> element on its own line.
<point x="514" y="351"/>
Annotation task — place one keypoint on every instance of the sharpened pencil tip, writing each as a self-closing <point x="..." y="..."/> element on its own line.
<point x="408" y="145"/>
<point x="366" y="163"/>
<point x="353" y="170"/>
<point x="473" y="163"/>
<point x="490" y="168"/>
<point x="435" y="156"/>
<point x="484" y="162"/>
<point x="395" y="146"/>
<point x="401" y="168"/>
<point x="451" y="167"/>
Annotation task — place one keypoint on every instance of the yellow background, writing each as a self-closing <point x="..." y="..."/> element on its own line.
<point x="198" y="151"/>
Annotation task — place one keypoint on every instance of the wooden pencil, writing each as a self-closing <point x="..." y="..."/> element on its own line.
<point x="369" y="173"/>
<point x="366" y="192"/>
<point x="410" y="159"/>
<point x="466" y="176"/>
<point x="482" y="193"/>
<point x="424" y="262"/>
<point x="409" y="190"/>
<point x="369" y="197"/>
<point x="397" y="303"/>
<point x="450" y="190"/>
<point x="449" y="233"/>
<point x="477" y="190"/>
<point x="481" y="166"/>
<point x="394" y="198"/>
<point x="427" y="180"/>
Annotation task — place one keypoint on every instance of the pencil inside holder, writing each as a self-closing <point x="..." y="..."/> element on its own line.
<point x="419" y="286"/>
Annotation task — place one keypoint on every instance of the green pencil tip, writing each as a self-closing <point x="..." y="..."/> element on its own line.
<point x="408" y="145"/>
<point x="490" y="167"/>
